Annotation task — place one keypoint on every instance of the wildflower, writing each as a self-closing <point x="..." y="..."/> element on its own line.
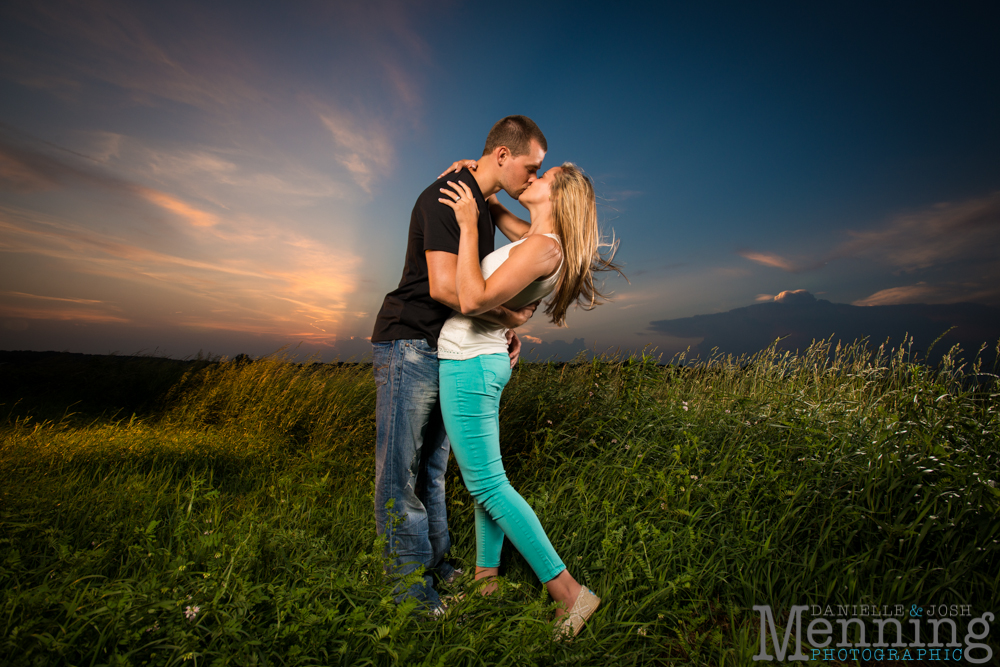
<point x="641" y="632"/>
<point x="218" y="555"/>
<point x="663" y="506"/>
<point x="614" y="441"/>
<point x="627" y="447"/>
<point x="694" y="477"/>
<point x="590" y="393"/>
<point x="191" y="611"/>
<point x="727" y="412"/>
<point x="549" y="421"/>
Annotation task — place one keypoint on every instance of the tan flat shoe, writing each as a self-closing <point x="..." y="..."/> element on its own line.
<point x="569" y="624"/>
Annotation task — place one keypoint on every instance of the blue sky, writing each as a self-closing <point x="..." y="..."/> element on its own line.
<point x="235" y="179"/>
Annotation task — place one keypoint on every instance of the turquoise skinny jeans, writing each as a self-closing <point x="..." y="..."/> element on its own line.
<point x="470" y="404"/>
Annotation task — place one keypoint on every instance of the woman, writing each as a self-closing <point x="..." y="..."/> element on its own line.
<point x="558" y="255"/>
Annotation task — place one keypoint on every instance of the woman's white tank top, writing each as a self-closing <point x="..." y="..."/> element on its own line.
<point x="464" y="337"/>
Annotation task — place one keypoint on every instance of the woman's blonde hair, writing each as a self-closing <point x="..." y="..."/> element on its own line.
<point x="574" y="215"/>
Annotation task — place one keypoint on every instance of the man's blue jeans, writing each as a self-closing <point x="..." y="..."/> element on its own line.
<point x="411" y="456"/>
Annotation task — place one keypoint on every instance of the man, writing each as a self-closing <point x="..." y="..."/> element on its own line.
<point x="411" y="451"/>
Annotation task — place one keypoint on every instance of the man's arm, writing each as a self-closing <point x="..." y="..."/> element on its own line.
<point x="441" y="267"/>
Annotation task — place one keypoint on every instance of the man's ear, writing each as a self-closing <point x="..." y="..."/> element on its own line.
<point x="502" y="153"/>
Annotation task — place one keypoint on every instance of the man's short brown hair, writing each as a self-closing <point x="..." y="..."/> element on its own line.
<point x="516" y="133"/>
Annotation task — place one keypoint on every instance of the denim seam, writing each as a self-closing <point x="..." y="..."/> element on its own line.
<point x="395" y="379"/>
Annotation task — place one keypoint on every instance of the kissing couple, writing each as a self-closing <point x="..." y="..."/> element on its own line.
<point x="444" y="346"/>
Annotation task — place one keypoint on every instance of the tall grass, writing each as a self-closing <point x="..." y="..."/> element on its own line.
<point x="232" y="524"/>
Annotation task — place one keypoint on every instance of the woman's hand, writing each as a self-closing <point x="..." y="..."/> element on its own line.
<point x="461" y="199"/>
<point x="458" y="166"/>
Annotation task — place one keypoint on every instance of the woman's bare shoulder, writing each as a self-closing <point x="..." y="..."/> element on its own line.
<point x="542" y="251"/>
<point x="540" y="247"/>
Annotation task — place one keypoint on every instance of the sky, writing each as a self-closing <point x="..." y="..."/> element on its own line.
<point x="224" y="178"/>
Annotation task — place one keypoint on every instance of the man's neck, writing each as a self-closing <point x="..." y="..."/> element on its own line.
<point x="487" y="176"/>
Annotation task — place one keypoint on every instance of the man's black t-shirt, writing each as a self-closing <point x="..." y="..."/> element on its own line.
<point x="409" y="311"/>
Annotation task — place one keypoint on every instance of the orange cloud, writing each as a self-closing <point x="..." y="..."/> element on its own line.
<point x="194" y="216"/>
<point x="271" y="281"/>
<point x="63" y="314"/>
<point x="918" y="293"/>
<point x="12" y="304"/>
<point x="768" y="259"/>
<point x="53" y="298"/>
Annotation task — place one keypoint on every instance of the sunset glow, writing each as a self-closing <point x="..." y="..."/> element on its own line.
<point x="230" y="179"/>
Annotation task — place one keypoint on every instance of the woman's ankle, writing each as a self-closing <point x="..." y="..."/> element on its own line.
<point x="564" y="589"/>
<point x="490" y="574"/>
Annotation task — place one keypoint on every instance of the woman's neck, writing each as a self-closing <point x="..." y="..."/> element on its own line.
<point x="541" y="221"/>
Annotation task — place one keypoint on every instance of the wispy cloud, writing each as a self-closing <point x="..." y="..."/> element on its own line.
<point x="769" y="259"/>
<point x="164" y="57"/>
<point x="182" y="209"/>
<point x="19" y="176"/>
<point x="38" y="307"/>
<point x="364" y="148"/>
<point x="89" y="302"/>
<point x="284" y="285"/>
<point x="964" y="232"/>
<point x="221" y="175"/>
<point x="953" y="246"/>
<point x="386" y="35"/>
<point x="234" y="272"/>
<point x="112" y="42"/>
<point x="619" y="195"/>
<point x="922" y="292"/>
<point x="25" y="170"/>
<point x="896" y="295"/>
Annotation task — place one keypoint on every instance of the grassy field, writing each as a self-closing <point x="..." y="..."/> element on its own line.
<point x="159" y="512"/>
